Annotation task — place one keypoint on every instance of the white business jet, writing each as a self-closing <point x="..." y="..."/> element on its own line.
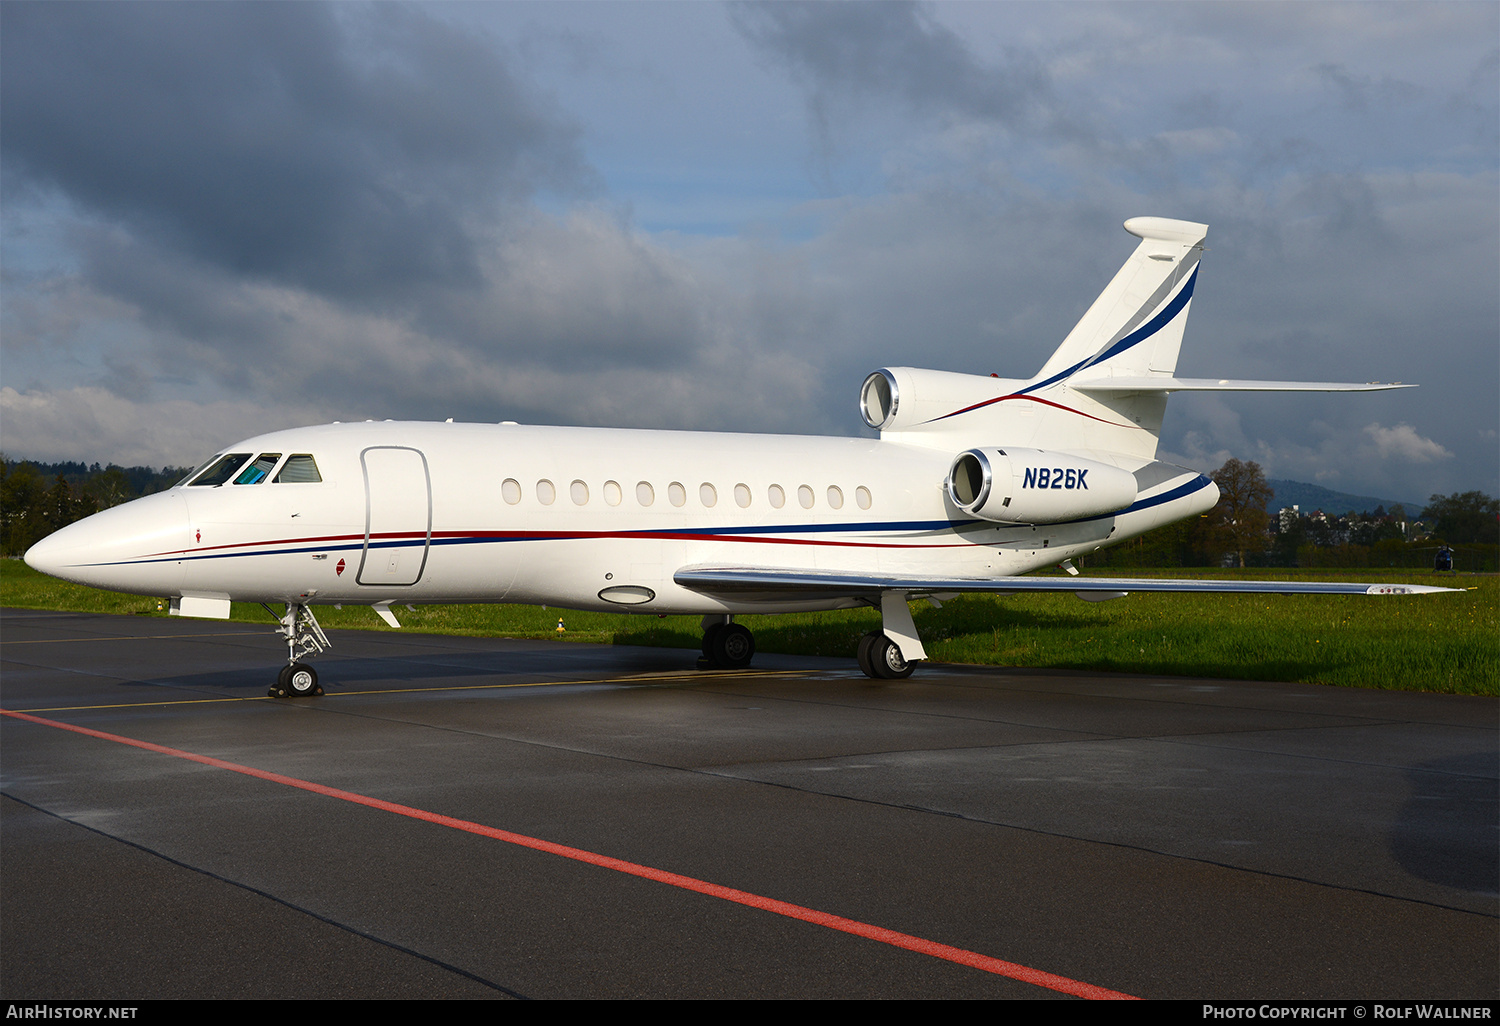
<point x="974" y="481"/>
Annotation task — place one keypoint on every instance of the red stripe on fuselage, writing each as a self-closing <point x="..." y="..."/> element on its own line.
<point x="553" y="536"/>
<point x="1034" y="399"/>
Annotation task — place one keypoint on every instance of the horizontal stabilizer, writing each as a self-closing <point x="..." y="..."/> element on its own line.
<point x="1170" y="384"/>
<point x="769" y="584"/>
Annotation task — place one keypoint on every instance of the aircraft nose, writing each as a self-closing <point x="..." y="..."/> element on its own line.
<point x="48" y="555"/>
<point x="136" y="547"/>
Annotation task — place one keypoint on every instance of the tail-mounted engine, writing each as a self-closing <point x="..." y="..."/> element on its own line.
<point x="913" y="399"/>
<point x="1029" y="486"/>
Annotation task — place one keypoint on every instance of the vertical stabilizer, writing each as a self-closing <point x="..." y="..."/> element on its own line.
<point x="1135" y="326"/>
<point x="1133" y="330"/>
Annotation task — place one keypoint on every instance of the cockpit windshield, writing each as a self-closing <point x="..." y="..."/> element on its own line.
<point x="220" y="469"/>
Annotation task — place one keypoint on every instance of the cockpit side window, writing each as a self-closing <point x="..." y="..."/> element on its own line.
<point x="258" y="471"/>
<point x="221" y="469"/>
<point x="300" y="469"/>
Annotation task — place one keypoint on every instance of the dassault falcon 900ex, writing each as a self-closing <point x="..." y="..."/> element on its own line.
<point x="974" y="481"/>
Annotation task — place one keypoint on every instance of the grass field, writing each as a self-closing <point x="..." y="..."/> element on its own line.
<point x="1445" y="643"/>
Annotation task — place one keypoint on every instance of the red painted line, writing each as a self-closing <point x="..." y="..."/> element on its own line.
<point x="556" y="536"/>
<point x="973" y="959"/>
<point x="1034" y="399"/>
<point x="196" y="549"/>
<point x="682" y="536"/>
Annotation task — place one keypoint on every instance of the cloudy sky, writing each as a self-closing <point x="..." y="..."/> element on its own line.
<point x="220" y="219"/>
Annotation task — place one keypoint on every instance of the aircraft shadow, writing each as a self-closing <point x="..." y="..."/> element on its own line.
<point x="532" y="660"/>
<point x="1446" y="831"/>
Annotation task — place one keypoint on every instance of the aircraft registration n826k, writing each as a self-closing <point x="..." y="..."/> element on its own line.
<point x="973" y="481"/>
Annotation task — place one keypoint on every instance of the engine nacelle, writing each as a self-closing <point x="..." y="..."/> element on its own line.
<point x="1029" y="486"/>
<point x="914" y="399"/>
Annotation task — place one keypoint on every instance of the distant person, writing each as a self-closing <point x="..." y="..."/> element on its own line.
<point x="1444" y="562"/>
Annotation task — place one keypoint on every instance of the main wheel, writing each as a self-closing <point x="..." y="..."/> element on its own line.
<point x="301" y="680"/>
<point x="733" y="647"/>
<point x="887" y="660"/>
<point x="708" y="638"/>
<point x="862" y="653"/>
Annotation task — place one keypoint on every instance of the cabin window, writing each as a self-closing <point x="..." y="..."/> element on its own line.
<point x="777" y="495"/>
<point x="862" y="496"/>
<point x="835" y="497"/>
<point x="300" y="468"/>
<point x="510" y="490"/>
<point x="579" y="492"/>
<point x="742" y="495"/>
<point x="644" y="493"/>
<point x="258" y="471"/>
<point x="805" y="496"/>
<point x="612" y="493"/>
<point x="546" y="492"/>
<point x="707" y="494"/>
<point x="677" y="494"/>
<point x="221" y="470"/>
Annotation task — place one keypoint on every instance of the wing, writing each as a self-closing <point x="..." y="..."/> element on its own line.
<point x="770" y="584"/>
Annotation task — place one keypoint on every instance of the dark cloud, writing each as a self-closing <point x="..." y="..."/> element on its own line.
<point x="354" y="151"/>
<point x="892" y="49"/>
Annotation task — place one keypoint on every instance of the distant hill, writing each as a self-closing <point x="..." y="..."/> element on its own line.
<point x="1309" y="497"/>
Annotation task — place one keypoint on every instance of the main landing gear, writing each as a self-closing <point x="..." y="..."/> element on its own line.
<point x="881" y="658"/>
<point x="726" y="645"/>
<point x="303" y="638"/>
<point x="891" y="653"/>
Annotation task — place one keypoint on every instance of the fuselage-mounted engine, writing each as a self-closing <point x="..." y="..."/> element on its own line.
<point x="1030" y="486"/>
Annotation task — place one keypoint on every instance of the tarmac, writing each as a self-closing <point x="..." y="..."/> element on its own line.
<point x="487" y="818"/>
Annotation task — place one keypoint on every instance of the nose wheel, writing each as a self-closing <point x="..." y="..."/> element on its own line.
<point x="296" y="681"/>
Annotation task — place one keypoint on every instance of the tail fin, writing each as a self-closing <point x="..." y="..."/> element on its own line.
<point x="1134" y="328"/>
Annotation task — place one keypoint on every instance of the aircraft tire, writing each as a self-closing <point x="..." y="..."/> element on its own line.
<point x="301" y="680"/>
<point x="862" y="653"/>
<point x="733" y="647"/>
<point x="887" y="660"/>
<point x="708" y="639"/>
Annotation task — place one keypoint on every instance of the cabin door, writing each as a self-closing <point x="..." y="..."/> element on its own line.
<point x="398" y="516"/>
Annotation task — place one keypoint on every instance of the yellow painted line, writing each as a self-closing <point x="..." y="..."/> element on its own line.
<point x="701" y="675"/>
<point x="142" y="637"/>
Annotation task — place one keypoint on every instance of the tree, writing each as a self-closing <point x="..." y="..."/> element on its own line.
<point x="1240" y="522"/>
<point x="1467" y="517"/>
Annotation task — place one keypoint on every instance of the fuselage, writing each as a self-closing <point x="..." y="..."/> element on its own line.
<point x="578" y="517"/>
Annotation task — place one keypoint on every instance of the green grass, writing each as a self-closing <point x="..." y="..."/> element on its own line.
<point x="1444" y="643"/>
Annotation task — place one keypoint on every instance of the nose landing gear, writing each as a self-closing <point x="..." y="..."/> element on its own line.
<point x="303" y="638"/>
